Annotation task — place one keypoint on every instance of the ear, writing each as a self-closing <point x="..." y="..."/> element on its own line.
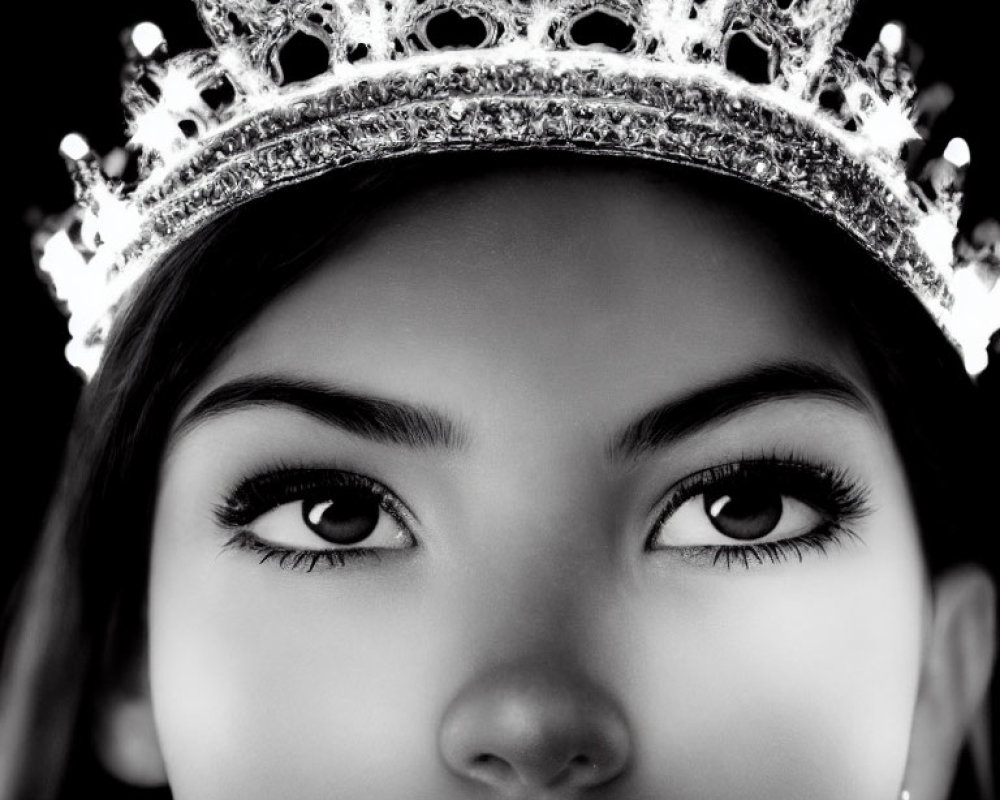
<point x="125" y="736"/>
<point x="956" y="671"/>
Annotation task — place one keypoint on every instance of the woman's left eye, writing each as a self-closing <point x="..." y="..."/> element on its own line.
<point x="749" y="512"/>
<point x="305" y="518"/>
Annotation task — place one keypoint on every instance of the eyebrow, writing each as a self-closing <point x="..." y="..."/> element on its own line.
<point x="712" y="404"/>
<point x="374" y="418"/>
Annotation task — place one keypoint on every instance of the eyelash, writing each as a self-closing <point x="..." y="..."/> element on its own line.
<point x="282" y="483"/>
<point x="305" y="560"/>
<point x="831" y="490"/>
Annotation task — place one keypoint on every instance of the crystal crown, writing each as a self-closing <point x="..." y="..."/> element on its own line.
<point x="211" y="129"/>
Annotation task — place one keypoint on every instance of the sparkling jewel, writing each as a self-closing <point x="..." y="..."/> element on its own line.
<point x="957" y="152"/>
<point x="74" y="147"/>
<point x="146" y="37"/>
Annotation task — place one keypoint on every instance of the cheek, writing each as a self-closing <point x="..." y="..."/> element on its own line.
<point x="271" y="683"/>
<point x="798" y="681"/>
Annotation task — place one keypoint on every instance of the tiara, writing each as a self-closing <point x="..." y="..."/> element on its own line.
<point x="212" y="129"/>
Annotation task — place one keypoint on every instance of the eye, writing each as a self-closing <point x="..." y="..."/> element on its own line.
<point x="759" y="509"/>
<point x="338" y="515"/>
<point x="743" y="509"/>
<point x="308" y="517"/>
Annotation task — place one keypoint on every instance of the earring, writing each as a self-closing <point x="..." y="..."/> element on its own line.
<point x="904" y="794"/>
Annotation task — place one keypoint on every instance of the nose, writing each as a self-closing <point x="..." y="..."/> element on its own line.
<point x="520" y="728"/>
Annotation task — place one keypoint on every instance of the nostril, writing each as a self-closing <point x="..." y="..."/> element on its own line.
<point x="497" y="771"/>
<point x="492" y="769"/>
<point x="580" y="771"/>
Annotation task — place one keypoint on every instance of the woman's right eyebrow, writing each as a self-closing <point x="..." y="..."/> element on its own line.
<point x="375" y="418"/>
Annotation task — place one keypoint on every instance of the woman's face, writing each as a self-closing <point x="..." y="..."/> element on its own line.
<point x="550" y="484"/>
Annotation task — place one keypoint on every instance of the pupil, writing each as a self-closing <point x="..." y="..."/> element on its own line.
<point x="343" y="517"/>
<point x="745" y="513"/>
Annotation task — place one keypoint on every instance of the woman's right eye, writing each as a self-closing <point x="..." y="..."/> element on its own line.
<point x="311" y="517"/>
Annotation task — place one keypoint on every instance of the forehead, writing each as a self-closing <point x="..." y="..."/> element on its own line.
<point x="610" y="287"/>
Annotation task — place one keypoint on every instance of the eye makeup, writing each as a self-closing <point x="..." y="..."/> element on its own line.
<point x="832" y="492"/>
<point x="279" y="484"/>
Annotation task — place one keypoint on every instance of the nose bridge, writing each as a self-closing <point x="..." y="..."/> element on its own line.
<point x="535" y="578"/>
<point x="535" y="713"/>
<point x="545" y="624"/>
<point x="548" y="492"/>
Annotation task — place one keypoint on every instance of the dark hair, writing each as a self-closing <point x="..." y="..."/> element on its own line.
<point x="74" y="627"/>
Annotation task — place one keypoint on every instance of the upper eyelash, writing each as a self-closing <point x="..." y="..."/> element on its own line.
<point x="848" y="496"/>
<point x="844" y="498"/>
<point x="252" y="498"/>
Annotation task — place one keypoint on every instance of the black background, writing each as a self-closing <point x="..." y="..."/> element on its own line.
<point x="64" y="65"/>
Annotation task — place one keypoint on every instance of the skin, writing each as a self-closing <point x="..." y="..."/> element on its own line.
<point x="540" y="313"/>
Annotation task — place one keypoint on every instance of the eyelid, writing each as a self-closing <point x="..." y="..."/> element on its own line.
<point x="280" y="482"/>
<point x="850" y="500"/>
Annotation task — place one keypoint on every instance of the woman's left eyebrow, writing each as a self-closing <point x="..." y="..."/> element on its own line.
<point x="708" y="405"/>
<point x="376" y="418"/>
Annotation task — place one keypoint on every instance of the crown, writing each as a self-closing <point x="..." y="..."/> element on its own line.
<point x="212" y="129"/>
